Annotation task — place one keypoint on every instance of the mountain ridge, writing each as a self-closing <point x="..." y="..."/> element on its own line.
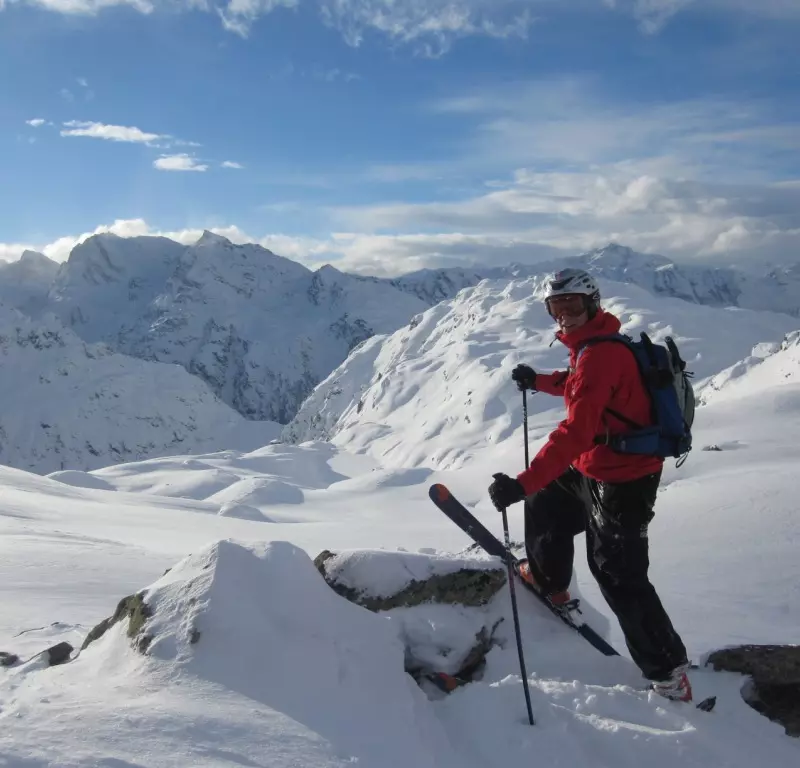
<point x="262" y="330"/>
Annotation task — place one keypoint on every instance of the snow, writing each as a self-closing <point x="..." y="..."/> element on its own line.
<point x="380" y="573"/>
<point x="435" y="393"/>
<point x="260" y="330"/>
<point x="283" y="672"/>
<point x="24" y="283"/>
<point x="766" y="287"/>
<point x="69" y="405"/>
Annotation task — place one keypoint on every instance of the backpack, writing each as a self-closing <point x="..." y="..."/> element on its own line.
<point x="667" y="382"/>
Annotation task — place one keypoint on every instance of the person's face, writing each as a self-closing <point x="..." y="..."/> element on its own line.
<point x="569" y="311"/>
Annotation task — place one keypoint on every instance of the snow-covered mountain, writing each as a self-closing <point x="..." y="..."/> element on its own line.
<point x="259" y="329"/>
<point x="25" y="283"/>
<point x="776" y="289"/>
<point x="69" y="404"/>
<point x="438" y="390"/>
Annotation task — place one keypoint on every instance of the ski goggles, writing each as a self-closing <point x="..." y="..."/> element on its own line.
<point x="570" y="304"/>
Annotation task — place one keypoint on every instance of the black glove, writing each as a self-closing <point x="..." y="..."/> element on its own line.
<point x="525" y="377"/>
<point x="505" y="491"/>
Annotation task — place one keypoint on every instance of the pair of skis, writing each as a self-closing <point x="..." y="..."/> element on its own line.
<point x="569" y="613"/>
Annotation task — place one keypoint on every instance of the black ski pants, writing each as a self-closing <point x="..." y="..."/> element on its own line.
<point x="615" y="517"/>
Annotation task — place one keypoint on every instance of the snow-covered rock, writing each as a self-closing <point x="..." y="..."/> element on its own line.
<point x="67" y="404"/>
<point x="255" y="628"/>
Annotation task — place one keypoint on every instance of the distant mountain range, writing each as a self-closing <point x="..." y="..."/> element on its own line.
<point x="262" y="331"/>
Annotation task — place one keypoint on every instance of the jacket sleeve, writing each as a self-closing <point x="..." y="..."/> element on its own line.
<point x="592" y="386"/>
<point x="551" y="383"/>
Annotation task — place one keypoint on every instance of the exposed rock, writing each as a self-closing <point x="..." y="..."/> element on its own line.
<point x="59" y="653"/>
<point x="466" y="586"/>
<point x="774" y="687"/>
<point x="136" y="611"/>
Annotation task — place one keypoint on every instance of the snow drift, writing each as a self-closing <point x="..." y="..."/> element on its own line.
<point x="242" y="654"/>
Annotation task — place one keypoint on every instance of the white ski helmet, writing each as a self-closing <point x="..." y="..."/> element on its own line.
<point x="572" y="281"/>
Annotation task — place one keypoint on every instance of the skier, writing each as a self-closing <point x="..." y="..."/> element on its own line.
<point x="575" y="484"/>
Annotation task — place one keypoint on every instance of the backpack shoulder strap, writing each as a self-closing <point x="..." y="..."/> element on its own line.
<point x="628" y="342"/>
<point x="618" y="337"/>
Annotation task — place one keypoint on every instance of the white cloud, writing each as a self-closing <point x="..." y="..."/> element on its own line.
<point x="533" y="216"/>
<point x="573" y="211"/>
<point x="109" y="132"/>
<point x="570" y="120"/>
<point x="89" y="7"/>
<point x="37" y="122"/>
<point x="238" y="15"/>
<point x="653" y="14"/>
<point x="181" y="162"/>
<point x="429" y="26"/>
<point x="12" y="251"/>
<point x="231" y="164"/>
<point x="688" y="179"/>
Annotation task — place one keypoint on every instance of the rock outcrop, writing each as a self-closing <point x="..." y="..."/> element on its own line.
<point x="774" y="685"/>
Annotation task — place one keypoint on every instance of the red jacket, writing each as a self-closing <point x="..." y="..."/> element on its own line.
<point x="606" y="376"/>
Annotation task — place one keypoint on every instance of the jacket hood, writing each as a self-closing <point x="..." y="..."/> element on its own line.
<point x="602" y="324"/>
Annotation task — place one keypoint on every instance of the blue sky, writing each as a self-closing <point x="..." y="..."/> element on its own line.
<point x="387" y="135"/>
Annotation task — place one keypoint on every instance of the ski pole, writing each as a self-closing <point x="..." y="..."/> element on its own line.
<point x="525" y="424"/>
<point x="516" y="617"/>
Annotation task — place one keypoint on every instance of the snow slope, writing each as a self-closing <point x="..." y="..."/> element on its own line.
<point x="777" y="367"/>
<point x="259" y="679"/>
<point x="259" y="329"/>
<point x="283" y="672"/>
<point x="72" y="405"/>
<point x="436" y="392"/>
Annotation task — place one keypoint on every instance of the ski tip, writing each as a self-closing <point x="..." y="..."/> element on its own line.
<point x="439" y="492"/>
